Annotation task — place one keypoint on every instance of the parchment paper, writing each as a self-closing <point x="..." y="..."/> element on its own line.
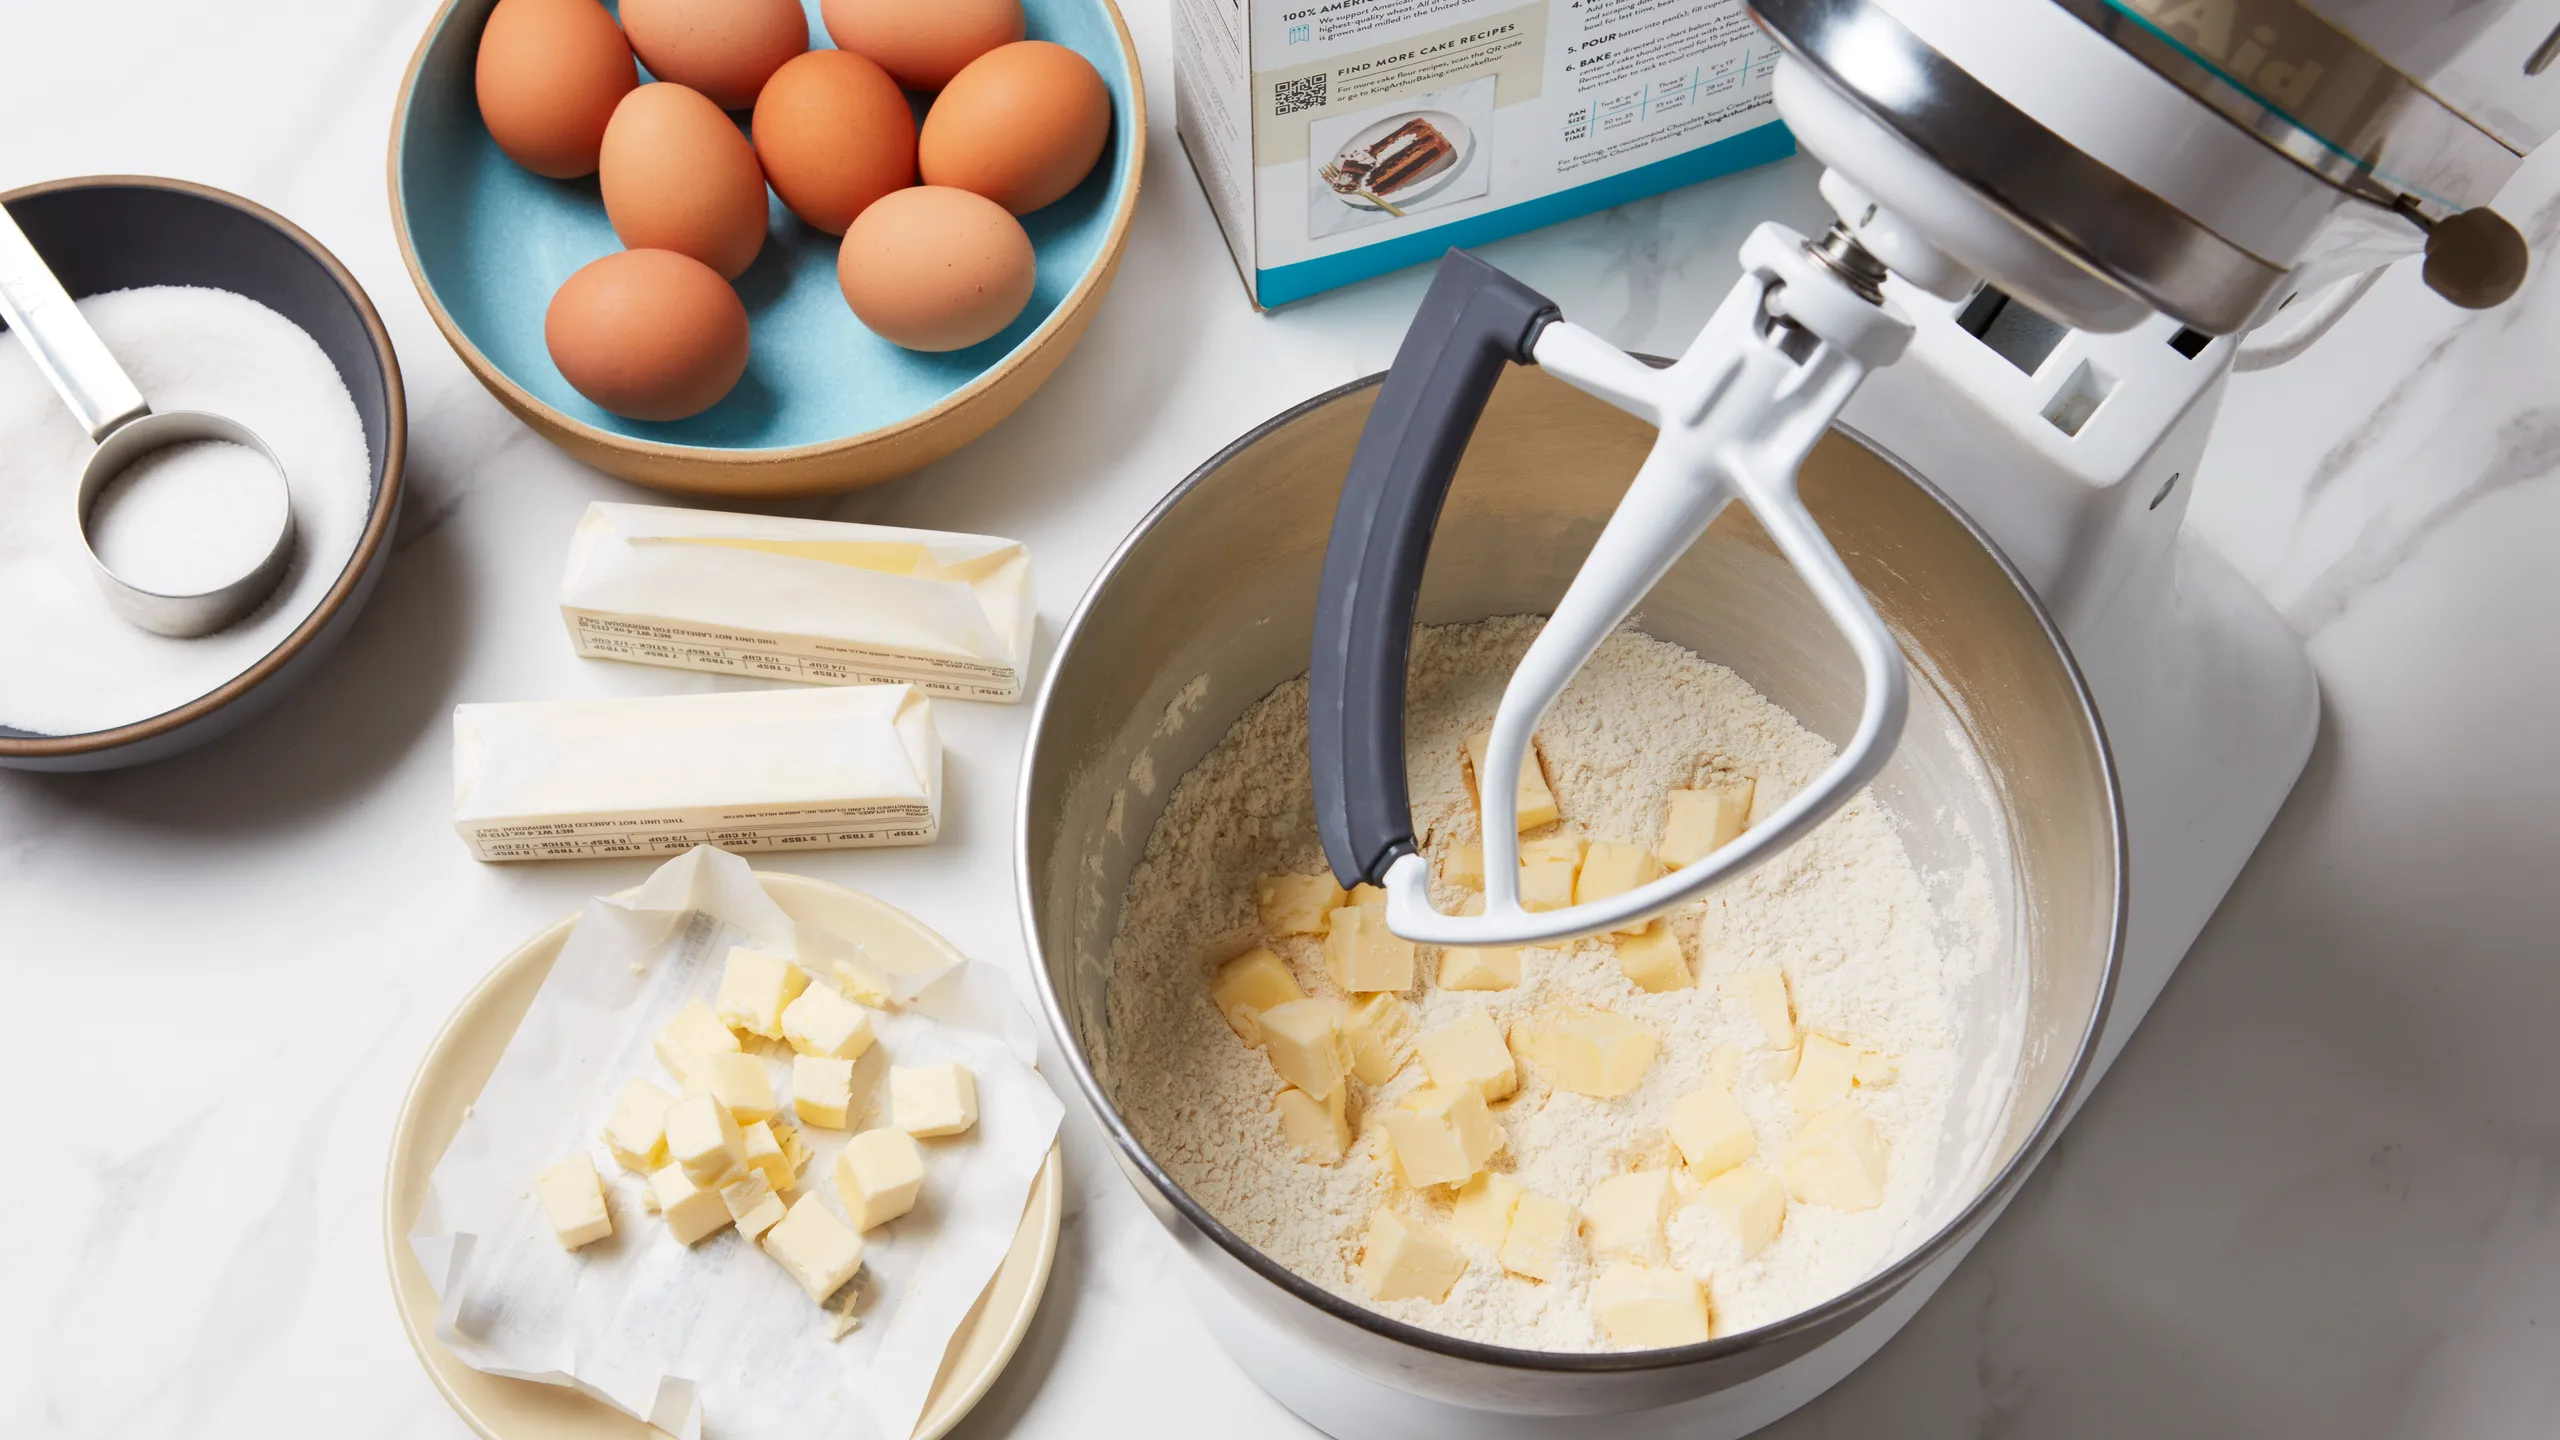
<point x="715" y="1339"/>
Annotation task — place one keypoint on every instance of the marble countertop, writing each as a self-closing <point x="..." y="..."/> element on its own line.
<point x="2319" y="1195"/>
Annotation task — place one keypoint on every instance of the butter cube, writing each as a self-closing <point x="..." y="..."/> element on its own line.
<point x="1379" y="1031"/>
<point x="1463" y="866"/>
<point x="1537" y="804"/>
<point x="1363" y="955"/>
<point x="864" y="985"/>
<point x="694" y="1032"/>
<point x="1296" y="904"/>
<point x="795" y="1151"/>
<point x="1534" y="1041"/>
<point x="1602" y="1054"/>
<point x="753" y="990"/>
<point x="1623" y="1216"/>
<point x="815" y="1247"/>
<point x="1540" y="1243"/>
<point x="766" y="1156"/>
<point x="822" y="1022"/>
<point x="637" y="1133"/>
<point x="933" y="1100"/>
<point x="1548" y="868"/>
<point x="1824" y="1070"/>
<point x="821" y="1090"/>
<point x="1363" y="895"/>
<point x="1763" y="992"/>
<point x="1749" y="1204"/>
<point x="1778" y="1066"/>
<point x="1652" y="959"/>
<point x="1471" y="1052"/>
<point x="1250" y="984"/>
<point x="1836" y="1161"/>
<point x="1304" y="1040"/>
<point x="1442" y="1134"/>
<point x="1320" y="1129"/>
<point x="703" y="1139"/>
<point x="1711" y="1132"/>
<point x="691" y="1211"/>
<point x="1483" y="1213"/>
<point x="1556" y="847"/>
<point x="738" y="1082"/>
<point x="1874" y="1069"/>
<point x="751" y="1203"/>
<point x="1404" y="1260"/>
<point x="1724" y="1063"/>
<point x="1611" y="869"/>
<point x="1469" y="967"/>
<point x="878" y="1176"/>
<point x="574" y="1199"/>
<point x="1699" y="822"/>
<point x="1640" y="1307"/>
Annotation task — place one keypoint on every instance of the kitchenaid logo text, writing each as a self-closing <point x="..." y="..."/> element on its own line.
<point x="2239" y="38"/>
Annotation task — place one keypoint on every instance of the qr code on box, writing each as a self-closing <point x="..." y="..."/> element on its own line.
<point x="1304" y="93"/>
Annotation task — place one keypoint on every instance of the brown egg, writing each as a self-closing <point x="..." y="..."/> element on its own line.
<point x="922" y="43"/>
<point x="933" y="268"/>
<point x="1022" y="125"/>
<point x="648" y="334"/>
<point x="548" y="75"/>
<point x="677" y="175"/>
<point x="835" y="134"/>
<point x="726" y="49"/>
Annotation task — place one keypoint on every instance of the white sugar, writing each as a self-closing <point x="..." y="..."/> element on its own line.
<point x="188" y="518"/>
<point x="68" y="663"/>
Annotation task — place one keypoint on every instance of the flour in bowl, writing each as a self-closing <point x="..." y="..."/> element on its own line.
<point x="1844" y="915"/>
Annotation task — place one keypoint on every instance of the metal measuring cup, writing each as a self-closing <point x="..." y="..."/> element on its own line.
<point x="44" y="318"/>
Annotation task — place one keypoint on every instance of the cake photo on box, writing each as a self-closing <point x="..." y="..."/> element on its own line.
<point x="1412" y="151"/>
<point x="1406" y="156"/>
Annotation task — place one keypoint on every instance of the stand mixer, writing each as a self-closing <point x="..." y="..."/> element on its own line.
<point x="2062" y="225"/>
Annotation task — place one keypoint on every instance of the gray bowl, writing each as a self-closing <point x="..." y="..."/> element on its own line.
<point x="118" y="232"/>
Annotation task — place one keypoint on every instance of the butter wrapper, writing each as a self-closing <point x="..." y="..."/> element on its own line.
<point x="828" y="769"/>
<point x="818" y="601"/>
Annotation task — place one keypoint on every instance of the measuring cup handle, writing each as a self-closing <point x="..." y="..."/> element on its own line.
<point x="1473" y="321"/>
<point x="44" y="318"/>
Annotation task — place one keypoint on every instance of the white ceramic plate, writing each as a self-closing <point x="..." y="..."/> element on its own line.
<point x="1461" y="143"/>
<point x="458" y="1064"/>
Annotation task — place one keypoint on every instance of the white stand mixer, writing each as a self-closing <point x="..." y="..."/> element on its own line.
<point x="2056" y="216"/>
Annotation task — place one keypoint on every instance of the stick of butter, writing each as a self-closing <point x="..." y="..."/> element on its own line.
<point x="818" y="601"/>
<point x="747" y="770"/>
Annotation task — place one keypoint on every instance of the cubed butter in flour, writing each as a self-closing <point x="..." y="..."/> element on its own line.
<point x="1762" y="989"/>
<point x="694" y="1031"/>
<point x="1623" y="1215"/>
<point x="1462" y="865"/>
<point x="1548" y="868"/>
<point x="1250" y="984"/>
<point x="738" y="1082"/>
<point x="1711" y="1132"/>
<point x="1379" y="1032"/>
<point x="1643" y="1307"/>
<point x="691" y="1211"/>
<point x="1541" y="1243"/>
<point x="1404" y="1259"/>
<point x="754" y="988"/>
<point x="1319" y="1129"/>
<point x="1442" y="1134"/>
<point x="703" y="1139"/>
<point x="1652" y="960"/>
<point x="1363" y="955"/>
<point x="637" y="1133"/>
<point x="1471" y="1052"/>
<point x="1537" y="803"/>
<point x="1602" y="1054"/>
<point x="879" y="1173"/>
<point x="1874" y="1069"/>
<point x="1305" y="1043"/>
<point x="814" y="1247"/>
<point x="822" y="1090"/>
<point x="1296" y="904"/>
<point x="933" y="1100"/>
<point x="822" y="1022"/>
<point x="1836" y="1161"/>
<point x="1698" y="822"/>
<point x="1611" y="868"/>
<point x="1825" y="1068"/>
<point x="573" y="1198"/>
<point x="1472" y="967"/>
<point x="1482" y="1215"/>
<point x="1749" y="1204"/>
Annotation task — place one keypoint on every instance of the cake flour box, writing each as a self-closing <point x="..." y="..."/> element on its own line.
<point x="1340" y="139"/>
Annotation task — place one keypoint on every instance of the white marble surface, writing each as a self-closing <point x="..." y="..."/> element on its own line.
<point x="2320" y="1195"/>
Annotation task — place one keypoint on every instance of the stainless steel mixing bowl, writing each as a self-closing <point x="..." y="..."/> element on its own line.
<point x="1210" y="604"/>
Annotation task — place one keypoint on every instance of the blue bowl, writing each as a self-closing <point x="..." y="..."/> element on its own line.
<point x="825" y="404"/>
